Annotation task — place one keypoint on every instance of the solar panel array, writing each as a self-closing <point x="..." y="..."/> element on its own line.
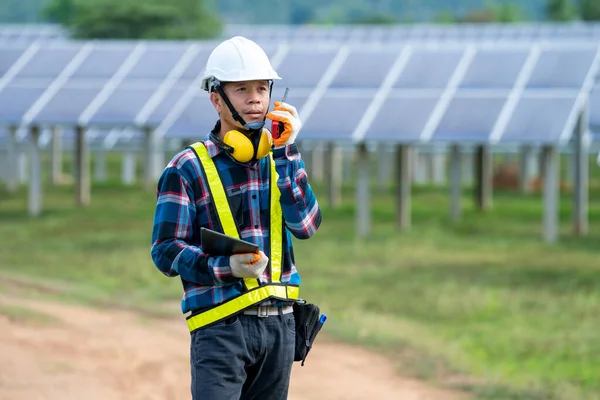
<point x="576" y="31"/>
<point x="26" y="33"/>
<point x="404" y="32"/>
<point x="412" y="92"/>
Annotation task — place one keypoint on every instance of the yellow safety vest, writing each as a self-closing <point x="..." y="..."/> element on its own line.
<point x="255" y="293"/>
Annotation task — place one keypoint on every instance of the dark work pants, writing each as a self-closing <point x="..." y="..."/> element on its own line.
<point x="243" y="357"/>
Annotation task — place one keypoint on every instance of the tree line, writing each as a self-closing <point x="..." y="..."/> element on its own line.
<point x="196" y="19"/>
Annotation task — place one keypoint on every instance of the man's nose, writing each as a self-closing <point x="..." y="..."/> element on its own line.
<point x="254" y="97"/>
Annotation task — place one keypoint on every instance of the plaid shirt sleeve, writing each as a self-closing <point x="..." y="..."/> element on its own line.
<point x="299" y="204"/>
<point x="173" y="234"/>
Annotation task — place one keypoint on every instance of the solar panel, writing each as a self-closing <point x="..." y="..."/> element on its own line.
<point x="518" y="32"/>
<point x="8" y="56"/>
<point x="67" y="105"/>
<point x="418" y="33"/>
<point x="335" y="117"/>
<point x="195" y="122"/>
<point x="197" y="65"/>
<point x="376" y="34"/>
<point x="564" y="68"/>
<point x="15" y="101"/>
<point x="305" y="34"/>
<point x="369" y="33"/>
<point x="167" y="104"/>
<point x="24" y="33"/>
<point x="495" y="68"/>
<point x="429" y="69"/>
<point x="414" y="99"/>
<point x="365" y="68"/>
<point x="156" y="62"/>
<point x="42" y="82"/>
<point x="270" y="49"/>
<point x="122" y="106"/>
<point x="395" y="35"/>
<point x="49" y="61"/>
<point x="470" y="33"/>
<point x="470" y="118"/>
<point x="359" y="35"/>
<point x="103" y="61"/>
<point x="305" y="67"/>
<point x="402" y="118"/>
<point x="296" y="97"/>
<point x="538" y="119"/>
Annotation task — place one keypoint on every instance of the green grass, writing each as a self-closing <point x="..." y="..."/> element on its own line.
<point x="483" y="304"/>
<point x="26" y="315"/>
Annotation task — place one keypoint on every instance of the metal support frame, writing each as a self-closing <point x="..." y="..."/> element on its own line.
<point x="56" y="156"/>
<point x="333" y="174"/>
<point x="128" y="164"/>
<point x="82" y="168"/>
<point x="363" y="199"/>
<point x="100" y="165"/>
<point x="581" y="176"/>
<point x="317" y="166"/>
<point x="484" y="171"/>
<point x="12" y="178"/>
<point x="551" y="193"/>
<point x="403" y="186"/>
<point x="455" y="182"/>
<point x="421" y="171"/>
<point x="384" y="167"/>
<point x="35" y="181"/>
<point x="149" y="150"/>
<point x="438" y="167"/>
<point x="526" y="170"/>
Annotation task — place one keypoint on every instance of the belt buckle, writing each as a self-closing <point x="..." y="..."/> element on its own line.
<point x="263" y="311"/>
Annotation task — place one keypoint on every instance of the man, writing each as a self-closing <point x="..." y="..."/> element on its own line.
<point x="241" y="182"/>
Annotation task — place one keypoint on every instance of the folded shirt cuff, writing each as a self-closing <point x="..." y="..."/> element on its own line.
<point x="289" y="151"/>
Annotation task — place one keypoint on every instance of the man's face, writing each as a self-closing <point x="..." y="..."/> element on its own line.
<point x="249" y="98"/>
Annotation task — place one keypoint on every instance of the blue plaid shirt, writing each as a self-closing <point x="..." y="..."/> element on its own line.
<point x="184" y="205"/>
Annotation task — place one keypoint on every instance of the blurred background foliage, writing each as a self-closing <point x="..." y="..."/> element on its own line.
<point x="198" y="19"/>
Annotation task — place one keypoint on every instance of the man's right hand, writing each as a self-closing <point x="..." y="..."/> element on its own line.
<point x="244" y="266"/>
<point x="286" y="114"/>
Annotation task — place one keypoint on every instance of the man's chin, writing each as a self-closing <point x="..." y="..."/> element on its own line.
<point x="253" y="118"/>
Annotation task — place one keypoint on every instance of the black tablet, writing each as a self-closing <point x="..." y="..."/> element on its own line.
<point x="218" y="244"/>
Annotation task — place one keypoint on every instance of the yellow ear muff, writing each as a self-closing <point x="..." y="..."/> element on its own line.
<point x="243" y="151"/>
<point x="264" y="145"/>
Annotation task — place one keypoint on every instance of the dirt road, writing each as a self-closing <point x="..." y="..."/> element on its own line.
<point x="80" y="353"/>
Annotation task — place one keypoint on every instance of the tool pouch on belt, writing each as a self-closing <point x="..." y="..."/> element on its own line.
<point x="308" y="326"/>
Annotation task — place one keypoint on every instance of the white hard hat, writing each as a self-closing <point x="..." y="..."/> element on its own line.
<point x="237" y="59"/>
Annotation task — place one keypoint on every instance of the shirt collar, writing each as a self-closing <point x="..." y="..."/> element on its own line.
<point x="211" y="146"/>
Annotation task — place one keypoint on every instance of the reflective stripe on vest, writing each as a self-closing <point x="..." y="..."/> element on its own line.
<point x="255" y="292"/>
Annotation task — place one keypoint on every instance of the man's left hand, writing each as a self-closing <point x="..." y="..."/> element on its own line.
<point x="288" y="115"/>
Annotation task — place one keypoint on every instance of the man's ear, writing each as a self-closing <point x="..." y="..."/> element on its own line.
<point x="216" y="101"/>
